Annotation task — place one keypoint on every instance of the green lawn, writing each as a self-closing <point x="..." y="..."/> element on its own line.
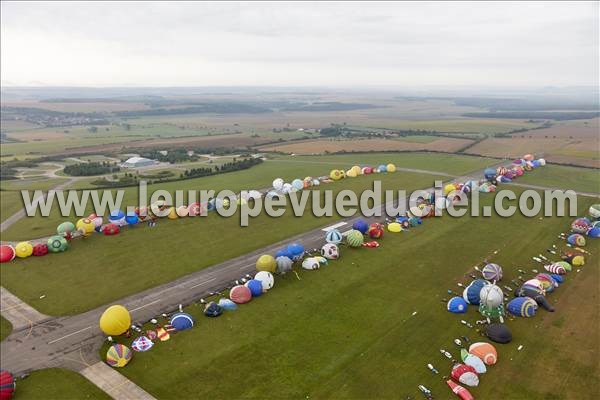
<point x="262" y="176"/>
<point x="5" y="328"/>
<point x="57" y="384"/>
<point x="197" y="242"/>
<point x="558" y="176"/>
<point x="367" y="325"/>
<point x="10" y="203"/>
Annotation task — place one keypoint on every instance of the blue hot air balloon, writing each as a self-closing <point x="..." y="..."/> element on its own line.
<point x="522" y="307"/>
<point x="131" y="218"/>
<point x="333" y="236"/>
<point x="471" y="292"/>
<point x="457" y="305"/>
<point x="361" y="225"/>
<point x="182" y="321"/>
<point x="255" y="287"/>
<point x="283" y="253"/>
<point x="489" y="173"/>
<point x="296" y="251"/>
<point x="227" y="304"/>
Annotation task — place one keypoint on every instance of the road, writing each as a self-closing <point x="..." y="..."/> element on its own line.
<point x="73" y="342"/>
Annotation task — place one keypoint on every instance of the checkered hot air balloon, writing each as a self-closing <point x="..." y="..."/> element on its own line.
<point x="142" y="343"/>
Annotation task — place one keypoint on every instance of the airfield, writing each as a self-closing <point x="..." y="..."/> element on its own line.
<point x="365" y="326"/>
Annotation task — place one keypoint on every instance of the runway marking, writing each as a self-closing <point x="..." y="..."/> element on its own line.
<point x="327" y="229"/>
<point x="145" y="305"/>
<point x="70" y="334"/>
<point x="203" y="283"/>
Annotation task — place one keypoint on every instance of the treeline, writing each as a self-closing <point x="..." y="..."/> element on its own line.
<point x="204" y="108"/>
<point x="236" y="165"/>
<point x="92" y="168"/>
<point x="173" y="156"/>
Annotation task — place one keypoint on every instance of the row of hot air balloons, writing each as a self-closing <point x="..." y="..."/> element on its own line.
<point x="280" y="187"/>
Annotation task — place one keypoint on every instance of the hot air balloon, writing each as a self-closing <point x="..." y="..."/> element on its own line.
<point x="522" y="307"/>
<point x="85" y="226"/>
<point x="336" y="174"/>
<point x="457" y="305"/>
<point x="473" y="361"/>
<point x="491" y="296"/>
<point x="240" y="294"/>
<point x="213" y="310"/>
<point x="576" y="240"/>
<point x="296" y="251"/>
<point x="536" y="294"/>
<point x="132" y="218"/>
<point x="66" y="229"/>
<point x="472" y="292"/>
<point x="581" y="225"/>
<point x="227" y="304"/>
<point x="594" y="232"/>
<point x="330" y="251"/>
<point x="298" y="184"/>
<point x="460" y="391"/>
<point x="333" y="236"/>
<point x="57" y="244"/>
<point x="118" y="355"/>
<point x="311" y="263"/>
<point x="492" y="272"/>
<point x="485" y="351"/>
<point x="266" y="279"/>
<point x="115" y="320"/>
<point x="255" y="287"/>
<point x="111" y="229"/>
<point x="182" y="321"/>
<point x="23" y="249"/>
<point x="278" y="184"/>
<point x="390" y="168"/>
<point x="7" y="385"/>
<point x="266" y="262"/>
<point x="7" y="253"/>
<point x="355" y="238"/>
<point x="117" y="217"/>
<point x="394" y="227"/>
<point x="465" y="374"/>
<point x="284" y="264"/>
<point x="141" y="344"/>
<point x="361" y="225"/>
<point x="40" y="249"/>
<point x="498" y="333"/>
<point x="594" y="211"/>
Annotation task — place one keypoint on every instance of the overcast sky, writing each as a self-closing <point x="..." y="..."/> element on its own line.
<point x="296" y="44"/>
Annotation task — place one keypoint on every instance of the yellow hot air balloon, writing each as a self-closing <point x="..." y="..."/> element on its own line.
<point x="335" y="174"/>
<point x="115" y="320"/>
<point x="267" y="263"/>
<point x="173" y="213"/>
<point x="394" y="227"/>
<point x="351" y="173"/>
<point x="23" y="249"/>
<point x="449" y="188"/>
<point x="391" y="168"/>
<point x="357" y="170"/>
<point x="85" y="226"/>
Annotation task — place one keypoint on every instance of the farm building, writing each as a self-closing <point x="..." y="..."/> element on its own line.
<point x="137" y="162"/>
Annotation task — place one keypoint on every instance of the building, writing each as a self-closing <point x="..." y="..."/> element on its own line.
<point x="137" y="162"/>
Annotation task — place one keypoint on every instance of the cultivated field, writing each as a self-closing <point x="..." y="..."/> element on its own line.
<point x="350" y="145"/>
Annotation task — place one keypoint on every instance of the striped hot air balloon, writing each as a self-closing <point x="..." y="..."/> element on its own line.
<point x="7" y="385"/>
<point x="355" y="238"/>
<point x="333" y="236"/>
<point x="555" y="269"/>
<point x="522" y="307"/>
<point x="492" y="272"/>
<point x="118" y="355"/>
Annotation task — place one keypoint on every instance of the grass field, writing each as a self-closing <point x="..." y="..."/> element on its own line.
<point x="558" y="176"/>
<point x="261" y="177"/>
<point x="5" y="328"/>
<point x="350" y="145"/>
<point x="57" y="384"/>
<point x="367" y="325"/>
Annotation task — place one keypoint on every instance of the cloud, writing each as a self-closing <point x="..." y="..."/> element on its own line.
<point x="338" y="43"/>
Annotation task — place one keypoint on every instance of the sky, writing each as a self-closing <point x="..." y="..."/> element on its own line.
<point x="336" y="44"/>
